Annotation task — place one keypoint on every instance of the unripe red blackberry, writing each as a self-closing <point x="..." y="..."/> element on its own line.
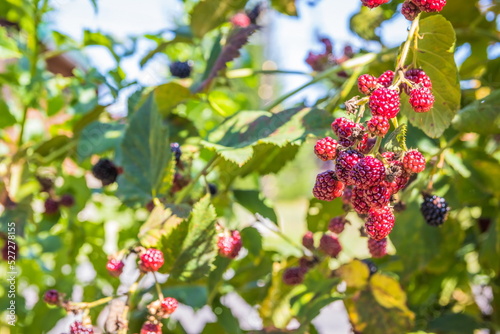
<point x="150" y="328"/>
<point x="385" y="102"/>
<point x="337" y="224"/>
<point x="414" y="161"/>
<point x="326" y="148"/>
<point x="366" y="144"/>
<point x="229" y="244"/>
<point x="347" y="131"/>
<point x="418" y="77"/>
<point x="181" y="69"/>
<point x="386" y="79"/>
<point x="79" y="328"/>
<point x="169" y="305"/>
<point x="377" y="196"/>
<point x="373" y="3"/>
<point x="369" y="171"/>
<point x="308" y="263"/>
<point x="106" y="171"/>
<point x="409" y="10"/>
<point x="377" y="248"/>
<point x="51" y="206"/>
<point x="434" y="209"/>
<point x="347" y="196"/>
<point x="422" y="99"/>
<point x="115" y="267"/>
<point x="430" y="5"/>
<point x="346" y="160"/>
<point x="308" y="240"/>
<point x="330" y="245"/>
<point x="67" y="200"/>
<point x="327" y="187"/>
<point x="379" y="223"/>
<point x="294" y="275"/>
<point x="367" y="84"/>
<point x="51" y="297"/>
<point x="151" y="260"/>
<point x="378" y="126"/>
<point x="358" y="201"/>
<point x="240" y="20"/>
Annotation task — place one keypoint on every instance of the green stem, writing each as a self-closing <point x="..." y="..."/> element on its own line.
<point x="353" y="79"/>
<point x="406" y="46"/>
<point x="248" y="72"/>
<point x="158" y="288"/>
<point x="376" y="147"/>
<point x="190" y="186"/>
<point x="349" y="64"/>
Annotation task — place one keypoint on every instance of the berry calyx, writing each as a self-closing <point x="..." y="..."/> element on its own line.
<point x="229" y="244"/>
<point x="51" y="206"/>
<point x="418" y="77"/>
<point x="373" y="3"/>
<point x="379" y="223"/>
<point x="386" y="78"/>
<point x="51" y="297"/>
<point x="67" y="200"/>
<point x="326" y="148"/>
<point x="327" y="187"/>
<point x="150" y="328"/>
<point x="106" y="171"/>
<point x="385" y="102"/>
<point x="337" y="224"/>
<point x="430" y="5"/>
<point x="378" y="126"/>
<point x="181" y="69"/>
<point x="330" y="245"/>
<point x="409" y="10"/>
<point x="115" y="267"/>
<point x="434" y="209"/>
<point x="422" y="99"/>
<point x="79" y="328"/>
<point x="294" y="275"/>
<point x="151" y="260"/>
<point x="367" y="84"/>
<point x="369" y="171"/>
<point x="241" y="20"/>
<point x="169" y="305"/>
<point x="377" y="248"/>
<point x="308" y="240"/>
<point x="414" y="161"/>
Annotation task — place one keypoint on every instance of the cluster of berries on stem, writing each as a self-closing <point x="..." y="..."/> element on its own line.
<point x="411" y="8"/>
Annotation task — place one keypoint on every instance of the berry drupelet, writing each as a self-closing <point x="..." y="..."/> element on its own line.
<point x="106" y="171"/>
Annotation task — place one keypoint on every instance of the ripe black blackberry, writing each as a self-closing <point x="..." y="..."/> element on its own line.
<point x="181" y="69"/>
<point x="212" y="188"/>
<point x="371" y="266"/>
<point x="434" y="209"/>
<point x="106" y="171"/>
<point x="176" y="150"/>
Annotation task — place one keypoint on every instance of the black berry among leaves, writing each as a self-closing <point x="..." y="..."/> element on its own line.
<point x="106" y="171"/>
<point x="180" y="69"/>
<point x="176" y="150"/>
<point x="434" y="209"/>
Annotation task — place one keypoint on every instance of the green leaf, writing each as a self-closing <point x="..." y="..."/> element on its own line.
<point x="179" y="38"/>
<point x="455" y="323"/>
<point x="146" y="155"/>
<point x="198" y="251"/>
<point x="87" y="119"/>
<point x="321" y="212"/>
<point x="481" y="116"/>
<point x="285" y="6"/>
<point x="6" y="119"/>
<point x="396" y="140"/>
<point x="365" y="22"/>
<point x="8" y="45"/>
<point x="53" y="145"/>
<point x="99" y="137"/>
<point x="355" y="274"/>
<point x="250" y="200"/>
<point x="160" y="222"/>
<point x="435" y="56"/>
<point x="208" y="14"/>
<point x="170" y="95"/>
<point x="191" y="295"/>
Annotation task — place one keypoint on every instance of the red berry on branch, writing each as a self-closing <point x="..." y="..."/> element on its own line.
<point x="115" y="267"/>
<point x="386" y="79"/>
<point x="308" y="240"/>
<point x="345" y="162"/>
<point x="379" y="223"/>
<point x="241" y="20"/>
<point x="385" y="102"/>
<point x="294" y="275"/>
<point x="337" y="224"/>
<point x="377" y="196"/>
<point x="430" y="5"/>
<point x="51" y="206"/>
<point x="151" y="260"/>
<point x="358" y="201"/>
<point x="169" y="305"/>
<point x="378" y="126"/>
<point x="327" y="187"/>
<point x="373" y="3"/>
<point x="79" y="328"/>
<point x="367" y="84"/>
<point x="422" y="99"/>
<point x="330" y="245"/>
<point x="51" y="297"/>
<point x="409" y="10"/>
<point x="326" y="148"/>
<point x="418" y="77"/>
<point x="368" y="172"/>
<point x="67" y="200"/>
<point x="229" y="245"/>
<point x="150" y="328"/>
<point x="414" y="161"/>
<point x="377" y="248"/>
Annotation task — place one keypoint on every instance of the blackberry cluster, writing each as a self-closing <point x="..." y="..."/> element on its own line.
<point x="411" y="8"/>
<point x="434" y="209"/>
<point x="181" y="69"/>
<point x="105" y="171"/>
<point x="52" y="205"/>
